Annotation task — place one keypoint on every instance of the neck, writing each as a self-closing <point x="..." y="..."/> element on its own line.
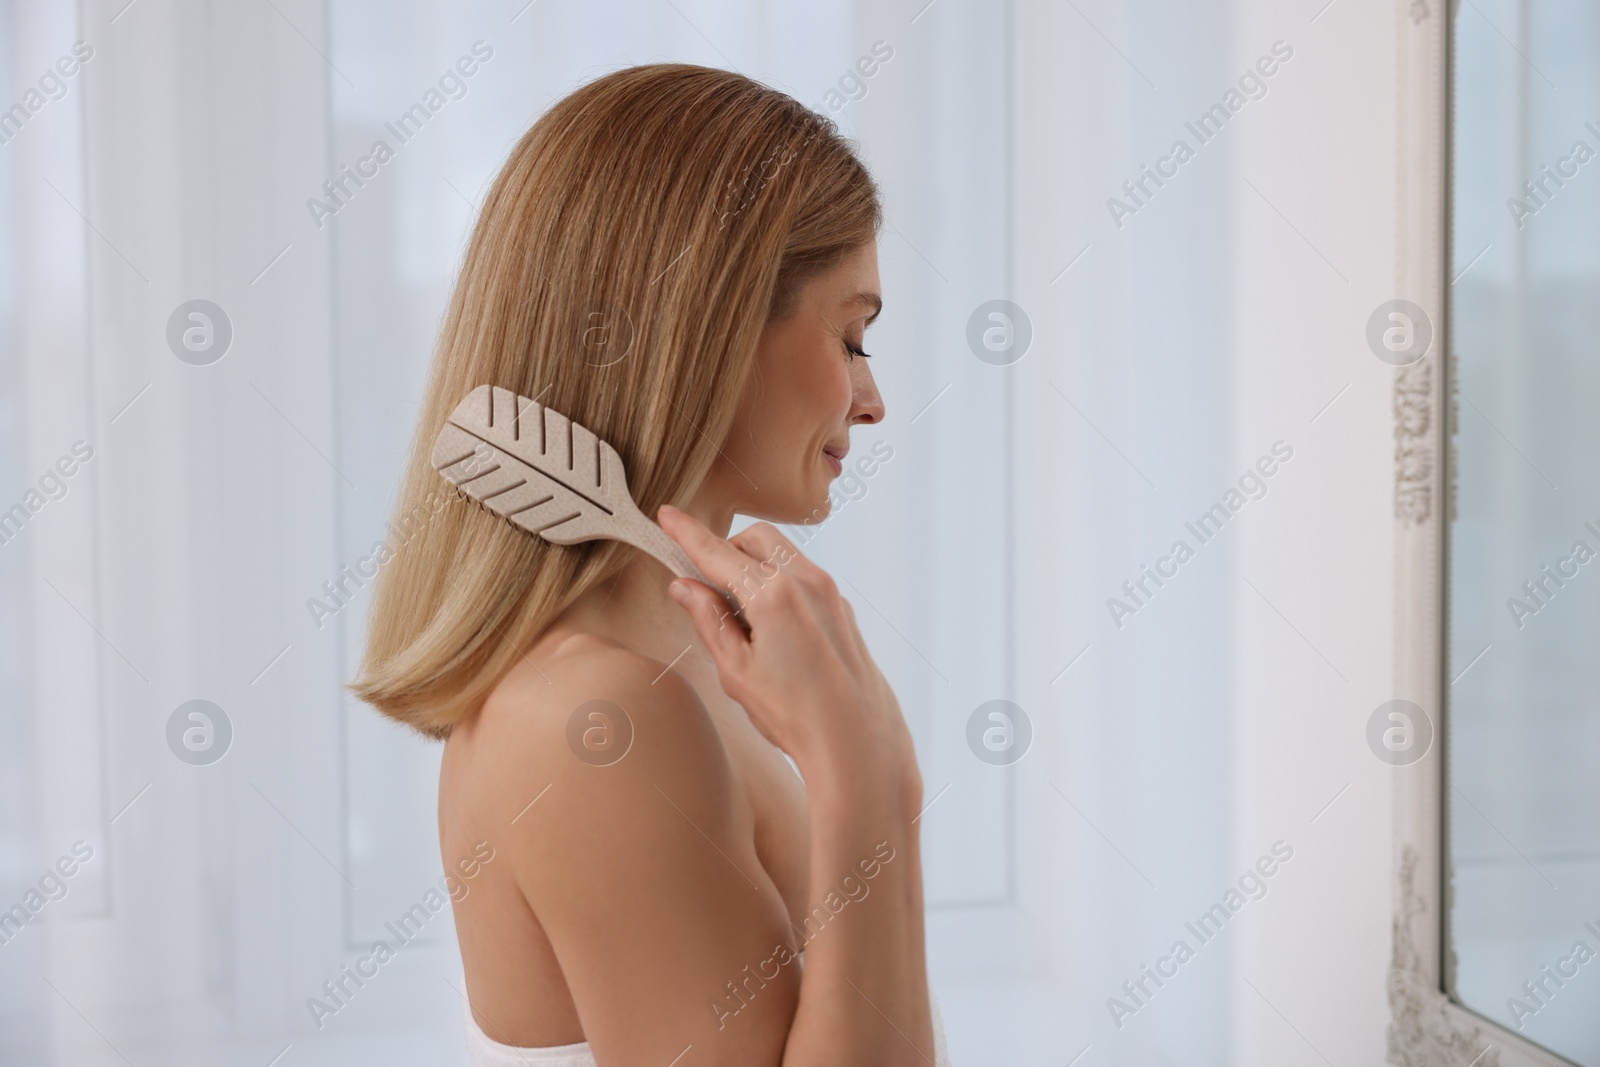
<point x="712" y="509"/>
<point x="633" y="608"/>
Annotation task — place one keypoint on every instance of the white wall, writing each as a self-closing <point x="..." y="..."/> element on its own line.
<point x="1215" y="321"/>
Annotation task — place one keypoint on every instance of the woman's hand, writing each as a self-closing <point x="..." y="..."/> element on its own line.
<point x="802" y="672"/>
<point x="804" y="676"/>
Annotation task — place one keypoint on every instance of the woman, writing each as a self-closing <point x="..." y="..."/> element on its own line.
<point x="683" y="261"/>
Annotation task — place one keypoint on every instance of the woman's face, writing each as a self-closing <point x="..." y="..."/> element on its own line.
<point x="792" y="428"/>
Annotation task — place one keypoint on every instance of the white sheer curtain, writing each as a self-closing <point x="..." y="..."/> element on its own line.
<point x="1167" y="355"/>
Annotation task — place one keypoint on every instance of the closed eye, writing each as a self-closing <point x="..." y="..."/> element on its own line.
<point x="854" y="351"/>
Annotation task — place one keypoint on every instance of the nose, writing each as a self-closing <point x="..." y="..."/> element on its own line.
<point x="866" y="404"/>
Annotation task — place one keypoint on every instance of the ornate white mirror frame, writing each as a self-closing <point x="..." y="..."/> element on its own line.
<point x="1427" y="1028"/>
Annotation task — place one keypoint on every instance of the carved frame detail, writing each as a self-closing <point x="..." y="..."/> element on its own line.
<point x="1427" y="1028"/>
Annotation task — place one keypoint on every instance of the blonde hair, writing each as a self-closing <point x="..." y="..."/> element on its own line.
<point x="627" y="257"/>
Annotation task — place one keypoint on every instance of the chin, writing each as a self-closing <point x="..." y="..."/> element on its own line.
<point x="818" y="512"/>
<point x="818" y="505"/>
<point x="794" y="509"/>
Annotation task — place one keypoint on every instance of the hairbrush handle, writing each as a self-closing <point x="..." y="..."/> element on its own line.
<point x="651" y="538"/>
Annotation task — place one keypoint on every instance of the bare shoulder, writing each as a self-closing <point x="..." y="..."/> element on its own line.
<point x="588" y="699"/>
<point x="597" y="732"/>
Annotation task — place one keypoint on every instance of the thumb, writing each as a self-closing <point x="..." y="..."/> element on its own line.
<point x="717" y="627"/>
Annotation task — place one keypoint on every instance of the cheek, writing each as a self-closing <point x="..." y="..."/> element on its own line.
<point x="830" y="387"/>
<point x="803" y="399"/>
<point x="814" y="390"/>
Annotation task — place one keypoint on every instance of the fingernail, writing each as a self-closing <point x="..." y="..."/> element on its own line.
<point x="679" y="591"/>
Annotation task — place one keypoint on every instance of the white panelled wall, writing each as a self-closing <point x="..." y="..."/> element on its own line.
<point x="1173" y="346"/>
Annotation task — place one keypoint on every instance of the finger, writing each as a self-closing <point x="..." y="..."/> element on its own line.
<point x="850" y="620"/>
<point x="770" y="557"/>
<point x="764" y="541"/>
<point x="857" y="641"/>
<point x="715" y="624"/>
<point x="717" y="559"/>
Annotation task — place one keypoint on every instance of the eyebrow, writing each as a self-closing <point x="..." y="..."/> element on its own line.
<point x="866" y="299"/>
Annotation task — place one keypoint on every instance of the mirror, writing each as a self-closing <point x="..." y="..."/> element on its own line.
<point x="1523" y="678"/>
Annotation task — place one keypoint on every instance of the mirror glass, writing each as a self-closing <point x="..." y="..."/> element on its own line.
<point x="1523" y="673"/>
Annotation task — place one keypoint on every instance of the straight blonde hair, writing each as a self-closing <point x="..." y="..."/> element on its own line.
<point x="628" y="255"/>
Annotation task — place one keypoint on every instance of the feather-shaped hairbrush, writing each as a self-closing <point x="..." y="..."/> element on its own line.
<point x="541" y="471"/>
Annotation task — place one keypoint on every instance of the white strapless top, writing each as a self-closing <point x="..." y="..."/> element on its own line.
<point x="484" y="1051"/>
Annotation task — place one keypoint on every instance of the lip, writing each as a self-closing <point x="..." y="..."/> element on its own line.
<point x="836" y="457"/>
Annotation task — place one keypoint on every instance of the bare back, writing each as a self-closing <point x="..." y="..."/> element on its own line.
<point x="700" y="820"/>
